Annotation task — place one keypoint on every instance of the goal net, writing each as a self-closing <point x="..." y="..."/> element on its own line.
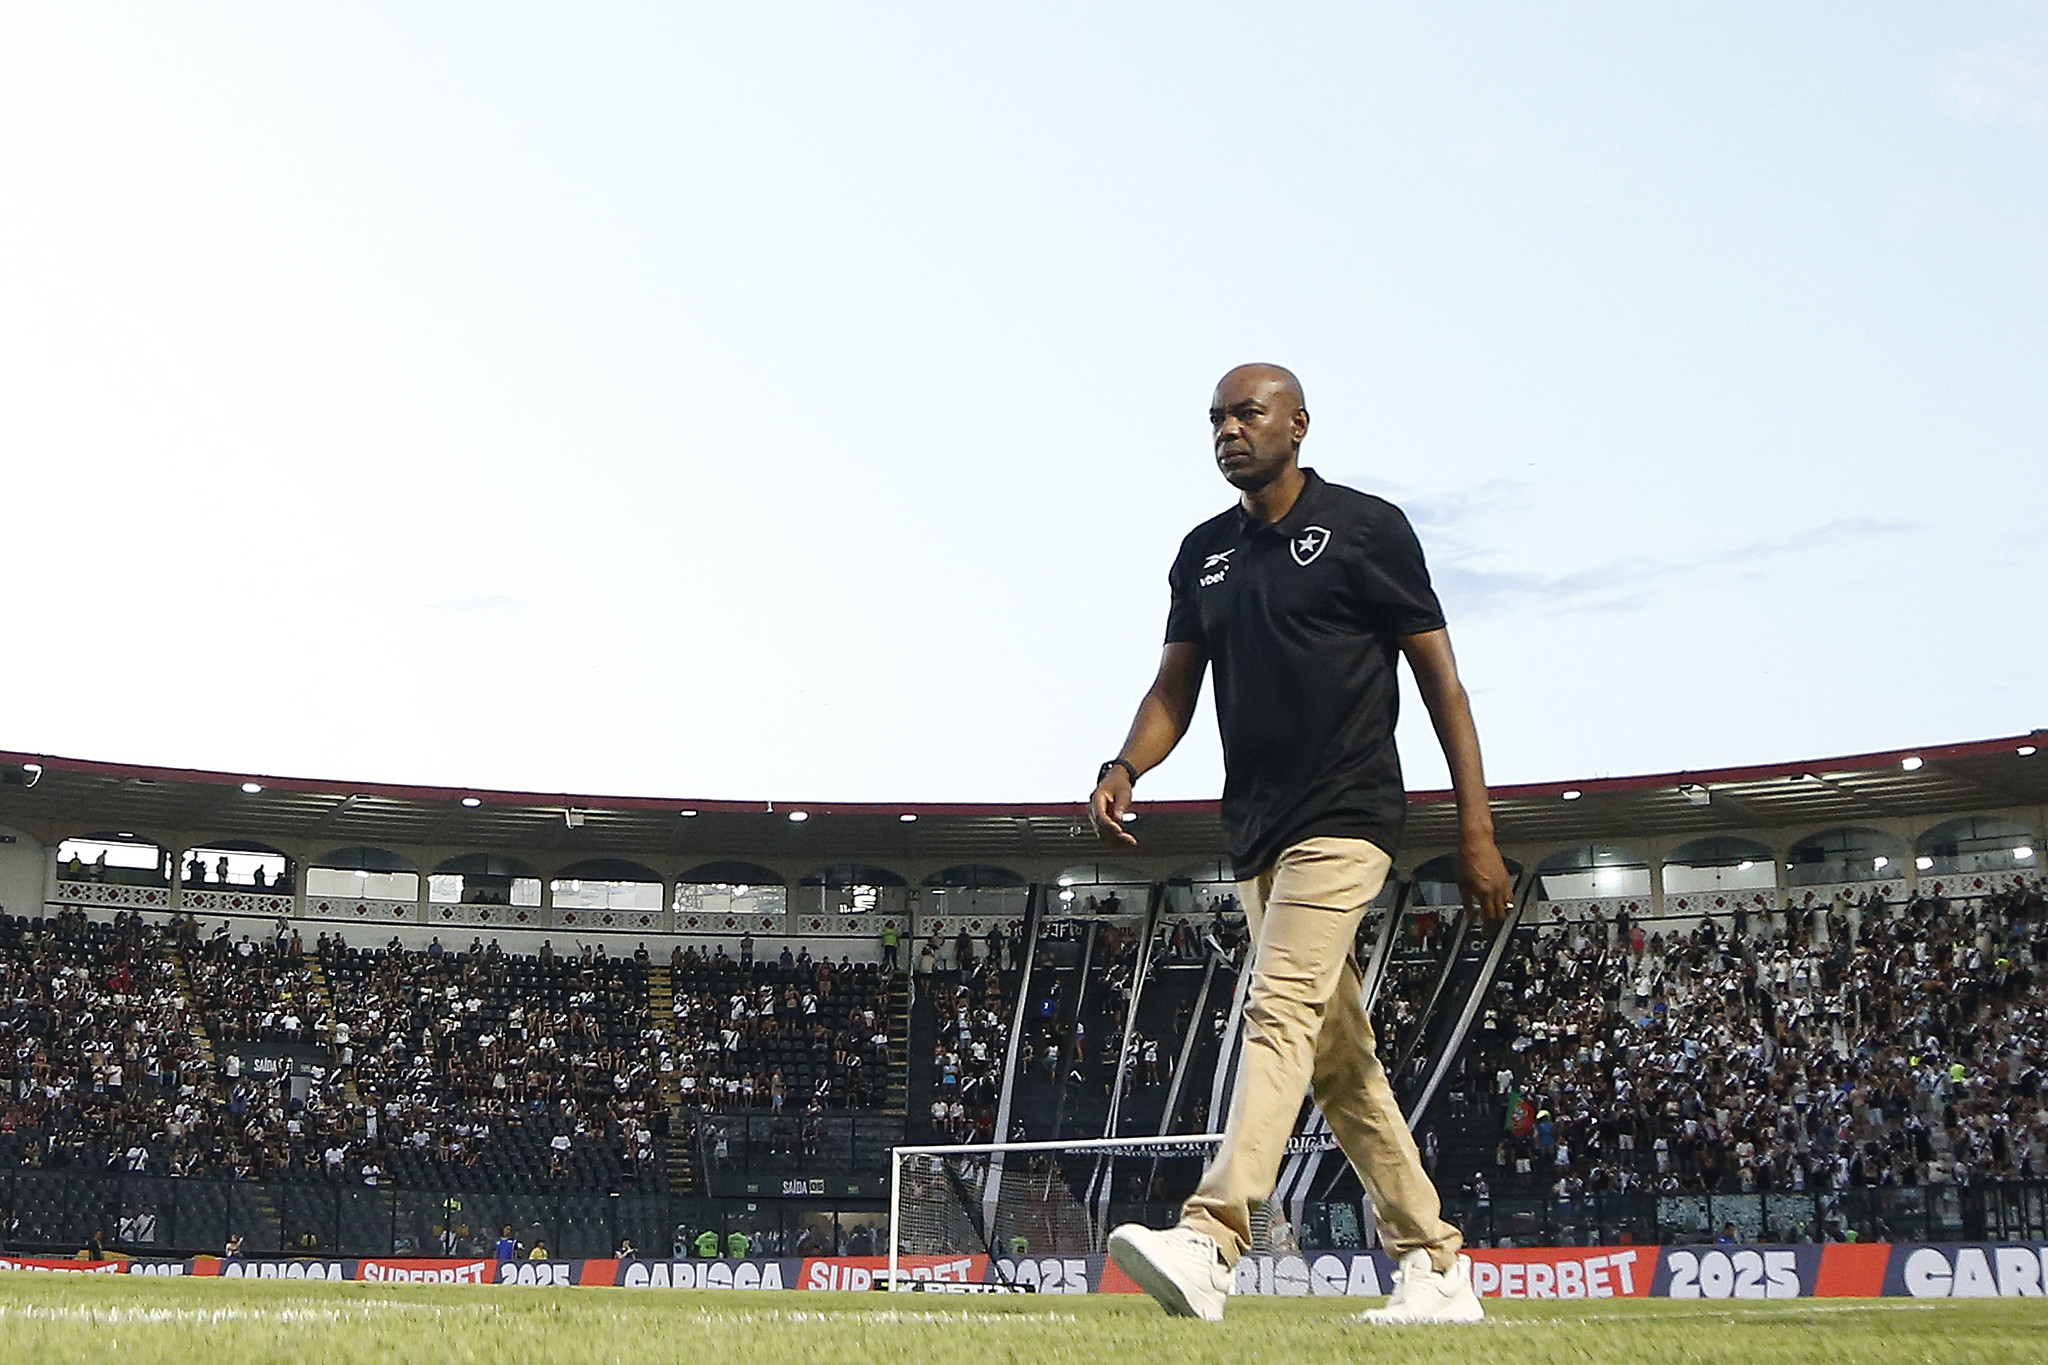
<point x="1015" y="1199"/>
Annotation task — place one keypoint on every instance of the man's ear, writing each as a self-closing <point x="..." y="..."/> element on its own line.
<point x="1300" y="425"/>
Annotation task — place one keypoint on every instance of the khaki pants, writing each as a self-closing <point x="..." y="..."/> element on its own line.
<point x="1305" y="1024"/>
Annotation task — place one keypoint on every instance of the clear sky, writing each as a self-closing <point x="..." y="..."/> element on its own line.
<point x="806" y="401"/>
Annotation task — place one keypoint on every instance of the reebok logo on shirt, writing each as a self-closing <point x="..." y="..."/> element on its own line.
<point x="1220" y="564"/>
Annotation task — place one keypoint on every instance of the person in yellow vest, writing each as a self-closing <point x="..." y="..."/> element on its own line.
<point x="540" y="1250"/>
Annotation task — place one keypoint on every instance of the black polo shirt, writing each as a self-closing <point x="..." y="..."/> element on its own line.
<point x="1302" y="622"/>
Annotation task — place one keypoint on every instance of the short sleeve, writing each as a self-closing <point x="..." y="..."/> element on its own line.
<point x="1396" y="581"/>
<point x="1183" y="614"/>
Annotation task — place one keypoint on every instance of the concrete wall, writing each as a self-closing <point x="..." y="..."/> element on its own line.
<point x="24" y="864"/>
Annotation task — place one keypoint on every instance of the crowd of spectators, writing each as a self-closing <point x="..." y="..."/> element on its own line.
<point x="548" y="1064"/>
<point x="969" y="1048"/>
<point x="1858" y="1044"/>
<point x="256" y="992"/>
<point x="788" y="1035"/>
<point x="101" y="1054"/>
<point x="964" y="951"/>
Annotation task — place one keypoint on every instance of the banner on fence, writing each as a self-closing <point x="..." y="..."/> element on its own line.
<point x="60" y="1266"/>
<point x="1834" y="1270"/>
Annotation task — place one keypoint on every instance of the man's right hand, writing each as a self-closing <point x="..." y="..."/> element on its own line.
<point x="1108" y="805"/>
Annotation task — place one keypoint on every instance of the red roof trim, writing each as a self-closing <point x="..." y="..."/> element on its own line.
<point x="1852" y="763"/>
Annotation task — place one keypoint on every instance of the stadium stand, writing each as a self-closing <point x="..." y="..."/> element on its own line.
<point x="970" y="1016"/>
<point x="1848" y="1039"/>
<point x="546" y="1065"/>
<point x="780" y="1036"/>
<point x="103" y="1060"/>
<point x="1868" y="1045"/>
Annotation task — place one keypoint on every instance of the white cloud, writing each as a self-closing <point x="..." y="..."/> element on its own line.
<point x="1996" y="83"/>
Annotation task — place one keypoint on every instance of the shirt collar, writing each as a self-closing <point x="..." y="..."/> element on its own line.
<point x="1297" y="515"/>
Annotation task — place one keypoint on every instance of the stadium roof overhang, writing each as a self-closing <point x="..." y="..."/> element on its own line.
<point x="69" y="797"/>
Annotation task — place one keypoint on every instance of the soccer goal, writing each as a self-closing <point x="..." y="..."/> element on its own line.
<point x="1008" y="1200"/>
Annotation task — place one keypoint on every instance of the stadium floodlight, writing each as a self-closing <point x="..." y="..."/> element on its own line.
<point x="1924" y="863"/>
<point x="2026" y="751"/>
<point x="908" y="817"/>
<point x="2023" y="852"/>
<point x="472" y="801"/>
<point x="1912" y="763"/>
<point x="1880" y="862"/>
<point x="252" y="787"/>
<point x="1571" y="794"/>
<point x="953" y="1200"/>
<point x="797" y="817"/>
<point x="688" y="814"/>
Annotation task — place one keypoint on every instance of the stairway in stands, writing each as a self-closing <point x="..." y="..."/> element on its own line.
<point x="896" y="1012"/>
<point x="921" y="1073"/>
<point x="323" y="1003"/>
<point x="265" y="1233"/>
<point x="197" y="1019"/>
<point x="681" y="1155"/>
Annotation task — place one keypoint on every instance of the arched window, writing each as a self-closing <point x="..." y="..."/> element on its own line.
<point x="236" y="863"/>
<point x="119" y="856"/>
<point x="363" y="873"/>
<point x="1592" y="871"/>
<point x="1101" y="888"/>
<point x="607" y="884"/>
<point x="851" y="889"/>
<point x="731" y="887"/>
<point x="484" y="879"/>
<point x="1977" y="843"/>
<point x="975" y="891"/>
<point x="1720" y="863"/>
<point x="1849" y="854"/>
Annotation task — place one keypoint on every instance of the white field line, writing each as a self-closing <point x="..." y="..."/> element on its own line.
<point x="358" y="1312"/>
<point x="1720" y="1313"/>
<point x="886" y="1316"/>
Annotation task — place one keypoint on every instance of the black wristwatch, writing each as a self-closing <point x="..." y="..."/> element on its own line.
<point x="1123" y="763"/>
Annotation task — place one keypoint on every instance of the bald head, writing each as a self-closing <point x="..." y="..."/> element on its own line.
<point x="1277" y="382"/>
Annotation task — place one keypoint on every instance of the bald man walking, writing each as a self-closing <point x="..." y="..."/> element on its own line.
<point x="1302" y="596"/>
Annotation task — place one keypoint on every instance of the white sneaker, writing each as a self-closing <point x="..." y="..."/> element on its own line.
<point x="1180" y="1268"/>
<point x="1423" y="1293"/>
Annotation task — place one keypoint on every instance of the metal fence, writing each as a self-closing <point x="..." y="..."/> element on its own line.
<point x="61" y="1211"/>
<point x="2007" y="1211"/>
<point x="158" y="1215"/>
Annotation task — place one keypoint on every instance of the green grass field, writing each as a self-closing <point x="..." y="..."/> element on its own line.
<point x="56" y="1318"/>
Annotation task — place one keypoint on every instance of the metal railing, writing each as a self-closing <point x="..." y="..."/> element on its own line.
<point x="2002" y="1211"/>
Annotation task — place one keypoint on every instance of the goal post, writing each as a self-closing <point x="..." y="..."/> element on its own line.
<point x="1049" y="1197"/>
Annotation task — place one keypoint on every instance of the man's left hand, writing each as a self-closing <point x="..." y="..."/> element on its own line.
<point x="1483" y="878"/>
